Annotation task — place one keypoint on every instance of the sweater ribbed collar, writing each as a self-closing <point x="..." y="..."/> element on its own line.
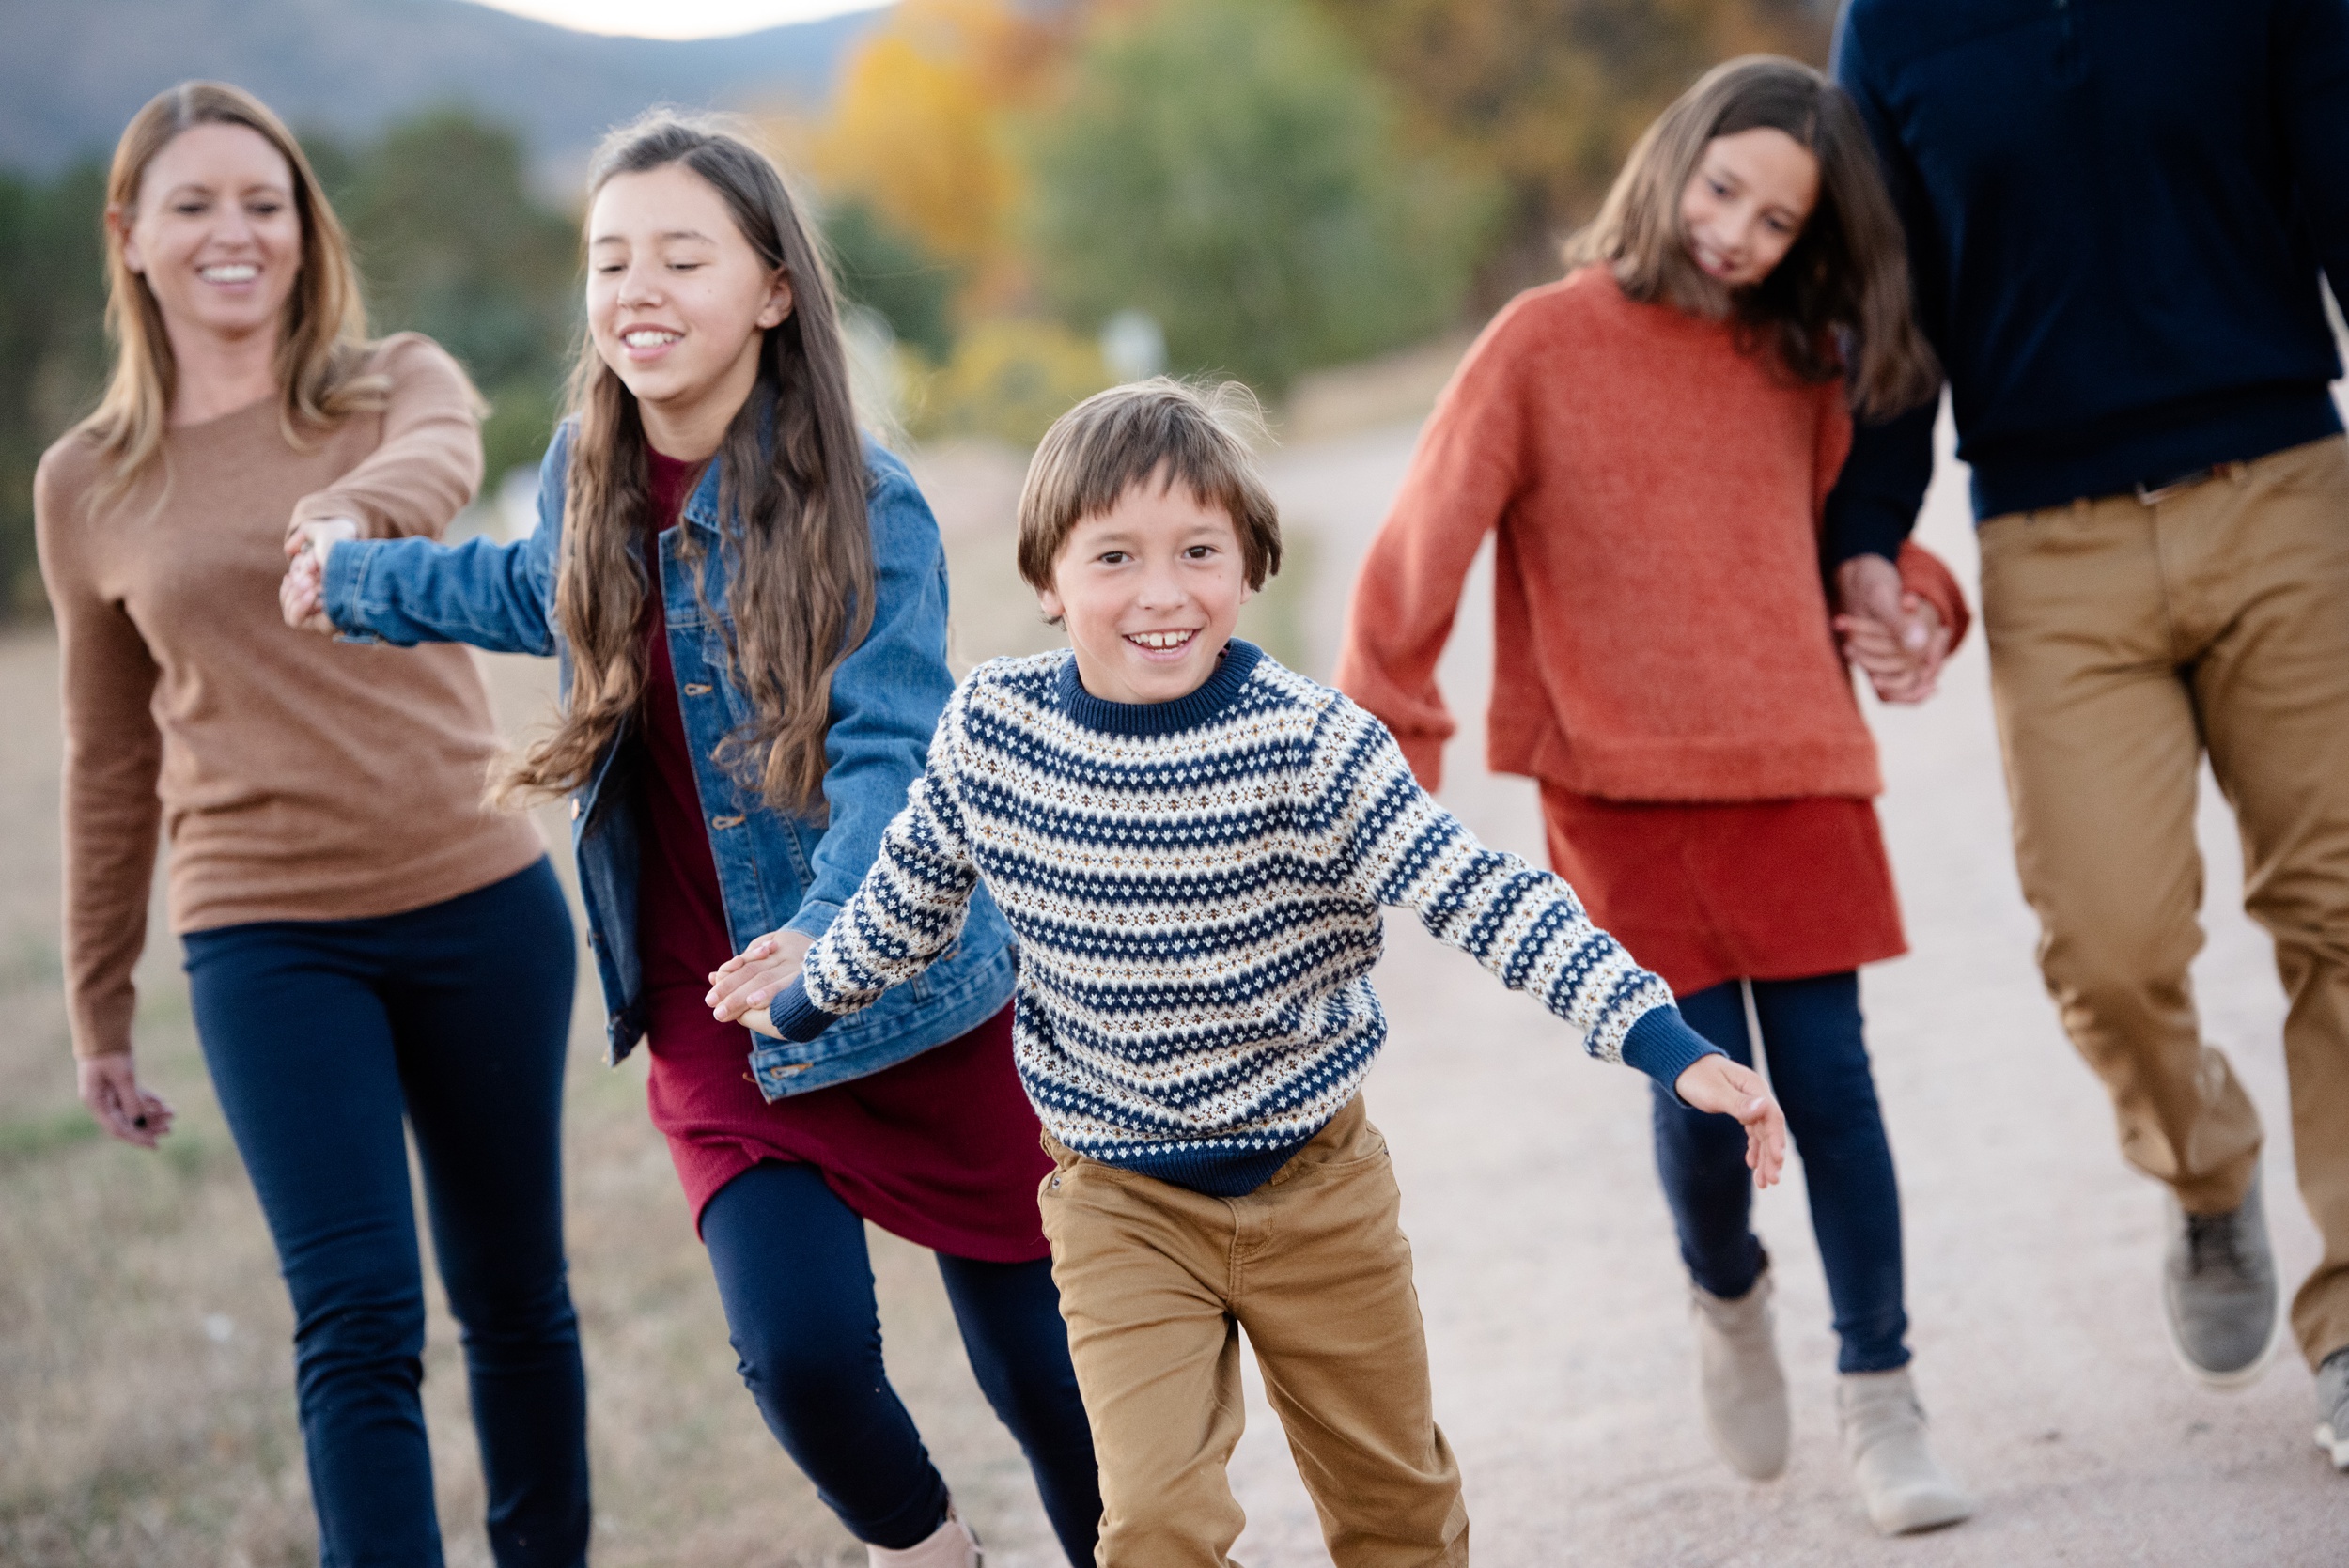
<point x="1237" y="661"/>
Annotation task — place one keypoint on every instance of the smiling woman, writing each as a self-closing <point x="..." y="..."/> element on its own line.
<point x="368" y="951"/>
<point x="220" y="228"/>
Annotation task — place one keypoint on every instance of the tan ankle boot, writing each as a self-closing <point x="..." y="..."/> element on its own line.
<point x="1737" y="1372"/>
<point x="1903" y="1485"/>
<point x="951" y="1545"/>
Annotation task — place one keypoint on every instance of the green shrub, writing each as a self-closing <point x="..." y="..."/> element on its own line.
<point x="1231" y="168"/>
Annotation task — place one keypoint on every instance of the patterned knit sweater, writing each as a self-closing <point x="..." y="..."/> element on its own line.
<point x="1195" y="887"/>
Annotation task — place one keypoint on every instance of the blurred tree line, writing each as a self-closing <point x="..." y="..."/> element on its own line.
<point x="1278" y="185"/>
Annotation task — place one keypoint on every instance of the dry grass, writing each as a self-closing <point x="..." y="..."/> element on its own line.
<point x="145" y="1382"/>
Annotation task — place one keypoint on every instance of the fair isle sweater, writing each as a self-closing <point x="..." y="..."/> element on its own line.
<point x="1195" y="887"/>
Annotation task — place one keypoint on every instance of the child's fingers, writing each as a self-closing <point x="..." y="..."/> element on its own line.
<point x="1766" y="1139"/>
<point x="748" y="991"/>
<point x="728" y="986"/>
<point x="759" y="949"/>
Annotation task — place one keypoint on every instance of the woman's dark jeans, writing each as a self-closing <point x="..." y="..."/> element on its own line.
<point x="797" y="1286"/>
<point x="320" y="1035"/>
<point x="1817" y="1064"/>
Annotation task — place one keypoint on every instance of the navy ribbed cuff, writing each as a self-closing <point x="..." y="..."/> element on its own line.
<point x="797" y="1019"/>
<point x="1662" y="1045"/>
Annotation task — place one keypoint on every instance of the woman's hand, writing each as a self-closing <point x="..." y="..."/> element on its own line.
<point x="1717" y="1083"/>
<point x="1894" y="637"/>
<point x="302" y="594"/>
<point x="741" y="988"/>
<point x="109" y="1085"/>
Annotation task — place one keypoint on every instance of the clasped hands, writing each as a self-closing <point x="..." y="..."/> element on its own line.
<point x="1894" y="637"/>
<point x="742" y="987"/>
<point x="302" y="592"/>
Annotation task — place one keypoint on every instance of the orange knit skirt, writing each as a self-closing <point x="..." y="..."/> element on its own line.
<point x="1752" y="889"/>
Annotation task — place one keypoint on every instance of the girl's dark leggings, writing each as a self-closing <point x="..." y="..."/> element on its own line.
<point x="1817" y="1064"/>
<point x="797" y="1286"/>
<point x="322" y="1036"/>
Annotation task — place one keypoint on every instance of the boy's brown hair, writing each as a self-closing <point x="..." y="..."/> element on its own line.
<point x="1158" y="432"/>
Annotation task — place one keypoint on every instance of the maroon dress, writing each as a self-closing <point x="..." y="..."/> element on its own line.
<point x="941" y="1149"/>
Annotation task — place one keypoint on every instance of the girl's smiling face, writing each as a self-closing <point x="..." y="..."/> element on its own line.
<point x="679" y="304"/>
<point x="1746" y="203"/>
<point x="215" y="232"/>
<point x="1150" y="593"/>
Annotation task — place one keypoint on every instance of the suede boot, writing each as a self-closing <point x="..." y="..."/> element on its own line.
<point x="1903" y="1487"/>
<point x="1738" y="1375"/>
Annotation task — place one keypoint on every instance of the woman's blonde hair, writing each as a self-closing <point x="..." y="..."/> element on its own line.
<point x="1839" y="303"/>
<point x="796" y="542"/>
<point x="324" y="341"/>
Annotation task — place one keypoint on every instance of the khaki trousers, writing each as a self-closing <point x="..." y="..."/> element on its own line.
<point x="2126" y="638"/>
<point x="1157" y="1282"/>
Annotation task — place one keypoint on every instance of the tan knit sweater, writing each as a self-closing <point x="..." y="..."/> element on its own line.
<point x="297" y="777"/>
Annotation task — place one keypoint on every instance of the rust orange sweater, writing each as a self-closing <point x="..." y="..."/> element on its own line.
<point x="1661" y="621"/>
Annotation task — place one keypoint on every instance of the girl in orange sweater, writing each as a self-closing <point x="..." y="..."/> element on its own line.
<point x="1654" y="439"/>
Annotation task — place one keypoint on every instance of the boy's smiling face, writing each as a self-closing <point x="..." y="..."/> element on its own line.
<point x="1149" y="591"/>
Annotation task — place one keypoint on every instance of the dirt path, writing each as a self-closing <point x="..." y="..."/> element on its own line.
<point x="145" y="1401"/>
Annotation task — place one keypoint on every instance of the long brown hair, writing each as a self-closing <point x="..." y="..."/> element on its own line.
<point x="324" y="339"/>
<point x="1839" y="303"/>
<point x="799" y="551"/>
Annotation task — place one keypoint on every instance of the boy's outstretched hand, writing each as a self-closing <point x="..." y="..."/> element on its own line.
<point x="1717" y="1083"/>
<point x="741" y="988"/>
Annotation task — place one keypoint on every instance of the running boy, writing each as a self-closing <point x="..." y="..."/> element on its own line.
<point x="1192" y="845"/>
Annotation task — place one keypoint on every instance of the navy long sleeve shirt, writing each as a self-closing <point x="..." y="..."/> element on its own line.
<point x="2117" y="211"/>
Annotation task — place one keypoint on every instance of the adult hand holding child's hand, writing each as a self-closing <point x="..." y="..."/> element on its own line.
<point x="1895" y="637"/>
<point x="743" y="986"/>
<point x="302" y="594"/>
<point x="1715" y="1083"/>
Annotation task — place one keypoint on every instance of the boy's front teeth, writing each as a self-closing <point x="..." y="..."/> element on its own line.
<point x="1160" y="640"/>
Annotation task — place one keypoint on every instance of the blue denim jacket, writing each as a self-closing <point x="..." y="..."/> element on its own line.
<point x="775" y="869"/>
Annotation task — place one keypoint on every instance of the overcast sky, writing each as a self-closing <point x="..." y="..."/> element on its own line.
<point x="679" y="19"/>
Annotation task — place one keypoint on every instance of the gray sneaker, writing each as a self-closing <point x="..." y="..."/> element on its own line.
<point x="2219" y="1292"/>
<point x="2332" y="1407"/>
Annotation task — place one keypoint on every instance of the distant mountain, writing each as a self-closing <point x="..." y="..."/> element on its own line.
<point x="73" y="71"/>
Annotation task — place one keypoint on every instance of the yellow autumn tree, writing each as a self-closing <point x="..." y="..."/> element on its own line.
<point x="917" y="127"/>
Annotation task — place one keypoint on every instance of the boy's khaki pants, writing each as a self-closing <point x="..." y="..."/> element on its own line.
<point x="2126" y="637"/>
<point x="1157" y="1282"/>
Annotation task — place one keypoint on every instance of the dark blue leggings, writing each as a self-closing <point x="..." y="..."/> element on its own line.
<point x="1817" y="1064"/>
<point x="320" y="1035"/>
<point x="797" y="1286"/>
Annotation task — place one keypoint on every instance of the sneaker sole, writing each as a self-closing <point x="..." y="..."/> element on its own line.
<point x="2224" y="1382"/>
<point x="2338" y="1447"/>
<point x="1954" y="1510"/>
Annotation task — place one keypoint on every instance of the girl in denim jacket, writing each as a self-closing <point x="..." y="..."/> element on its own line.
<point x="747" y="605"/>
